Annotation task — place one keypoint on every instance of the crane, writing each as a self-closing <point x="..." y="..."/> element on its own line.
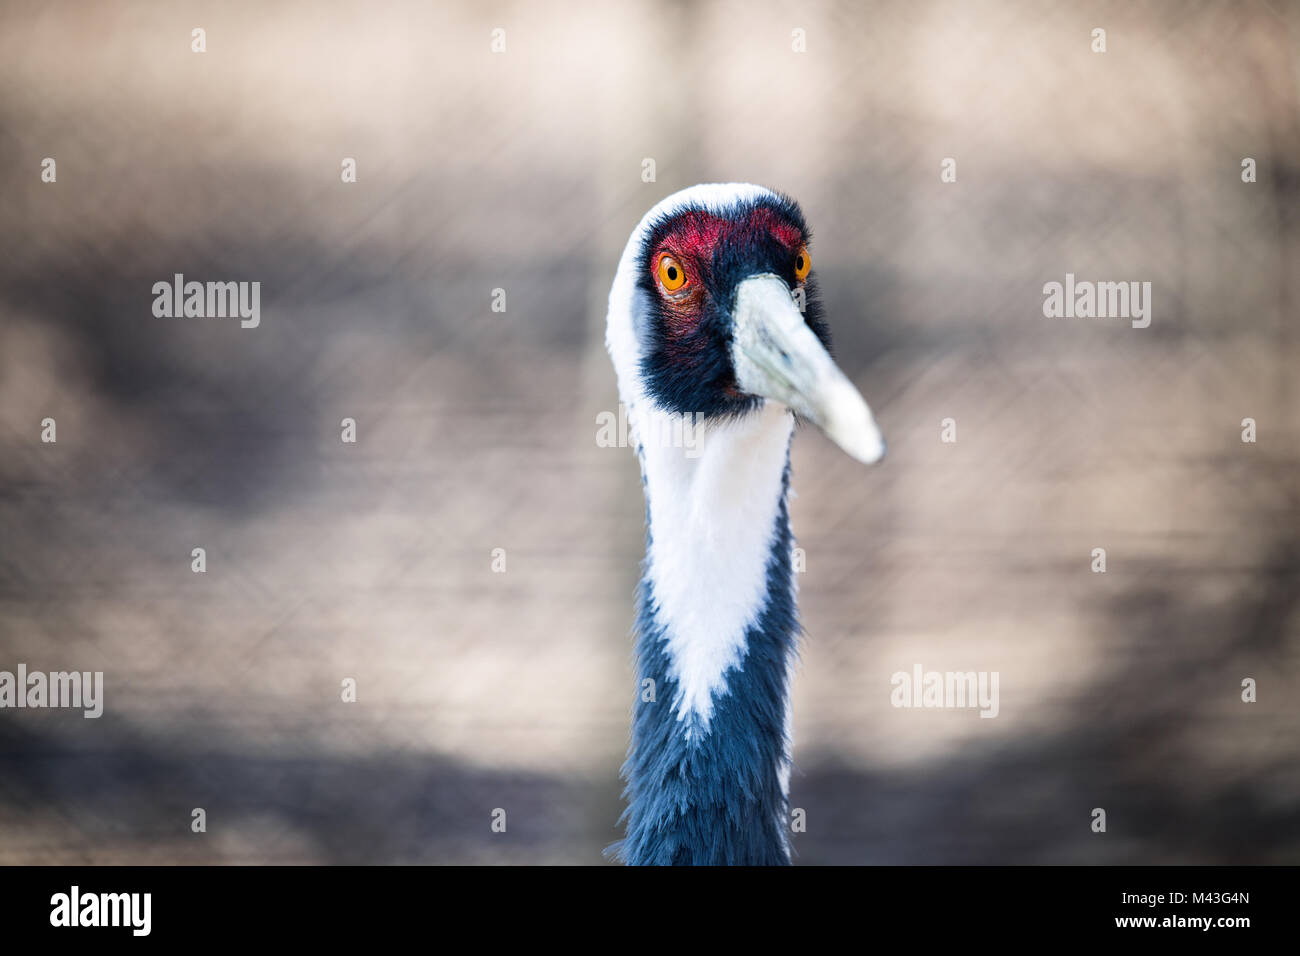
<point x="716" y="332"/>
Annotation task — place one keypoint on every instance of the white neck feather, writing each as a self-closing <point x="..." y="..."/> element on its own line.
<point x="712" y="521"/>
<point x="712" y="507"/>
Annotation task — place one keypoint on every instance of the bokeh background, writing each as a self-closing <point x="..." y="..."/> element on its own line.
<point x="477" y="430"/>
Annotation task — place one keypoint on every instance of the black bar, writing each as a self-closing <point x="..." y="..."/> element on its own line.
<point x="328" y="905"/>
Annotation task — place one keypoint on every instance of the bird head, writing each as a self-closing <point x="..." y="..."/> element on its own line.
<point x="715" y="310"/>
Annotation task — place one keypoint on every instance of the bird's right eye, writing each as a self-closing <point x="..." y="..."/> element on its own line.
<point x="671" y="274"/>
<point x="802" y="263"/>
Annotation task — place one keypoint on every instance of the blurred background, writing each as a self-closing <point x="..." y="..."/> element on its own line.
<point x="522" y="170"/>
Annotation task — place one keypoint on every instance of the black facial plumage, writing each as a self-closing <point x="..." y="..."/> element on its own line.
<point x="686" y="351"/>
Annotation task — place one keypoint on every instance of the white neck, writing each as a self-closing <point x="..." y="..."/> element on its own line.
<point x="712" y="508"/>
<point x="712" y="520"/>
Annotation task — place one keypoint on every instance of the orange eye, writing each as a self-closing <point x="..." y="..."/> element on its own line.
<point x="802" y="263"/>
<point x="671" y="274"/>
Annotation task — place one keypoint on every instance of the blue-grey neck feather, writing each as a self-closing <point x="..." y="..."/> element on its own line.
<point x="714" y="797"/>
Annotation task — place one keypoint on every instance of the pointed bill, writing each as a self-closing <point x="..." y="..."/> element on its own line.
<point x="777" y="356"/>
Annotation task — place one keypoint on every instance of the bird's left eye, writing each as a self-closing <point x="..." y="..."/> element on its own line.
<point x="802" y="263"/>
<point x="671" y="274"/>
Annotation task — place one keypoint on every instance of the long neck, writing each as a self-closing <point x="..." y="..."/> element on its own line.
<point x="708" y="768"/>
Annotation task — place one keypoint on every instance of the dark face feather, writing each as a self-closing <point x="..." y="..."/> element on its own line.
<point x="686" y="342"/>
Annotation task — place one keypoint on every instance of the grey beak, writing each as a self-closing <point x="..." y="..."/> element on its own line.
<point x="777" y="356"/>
